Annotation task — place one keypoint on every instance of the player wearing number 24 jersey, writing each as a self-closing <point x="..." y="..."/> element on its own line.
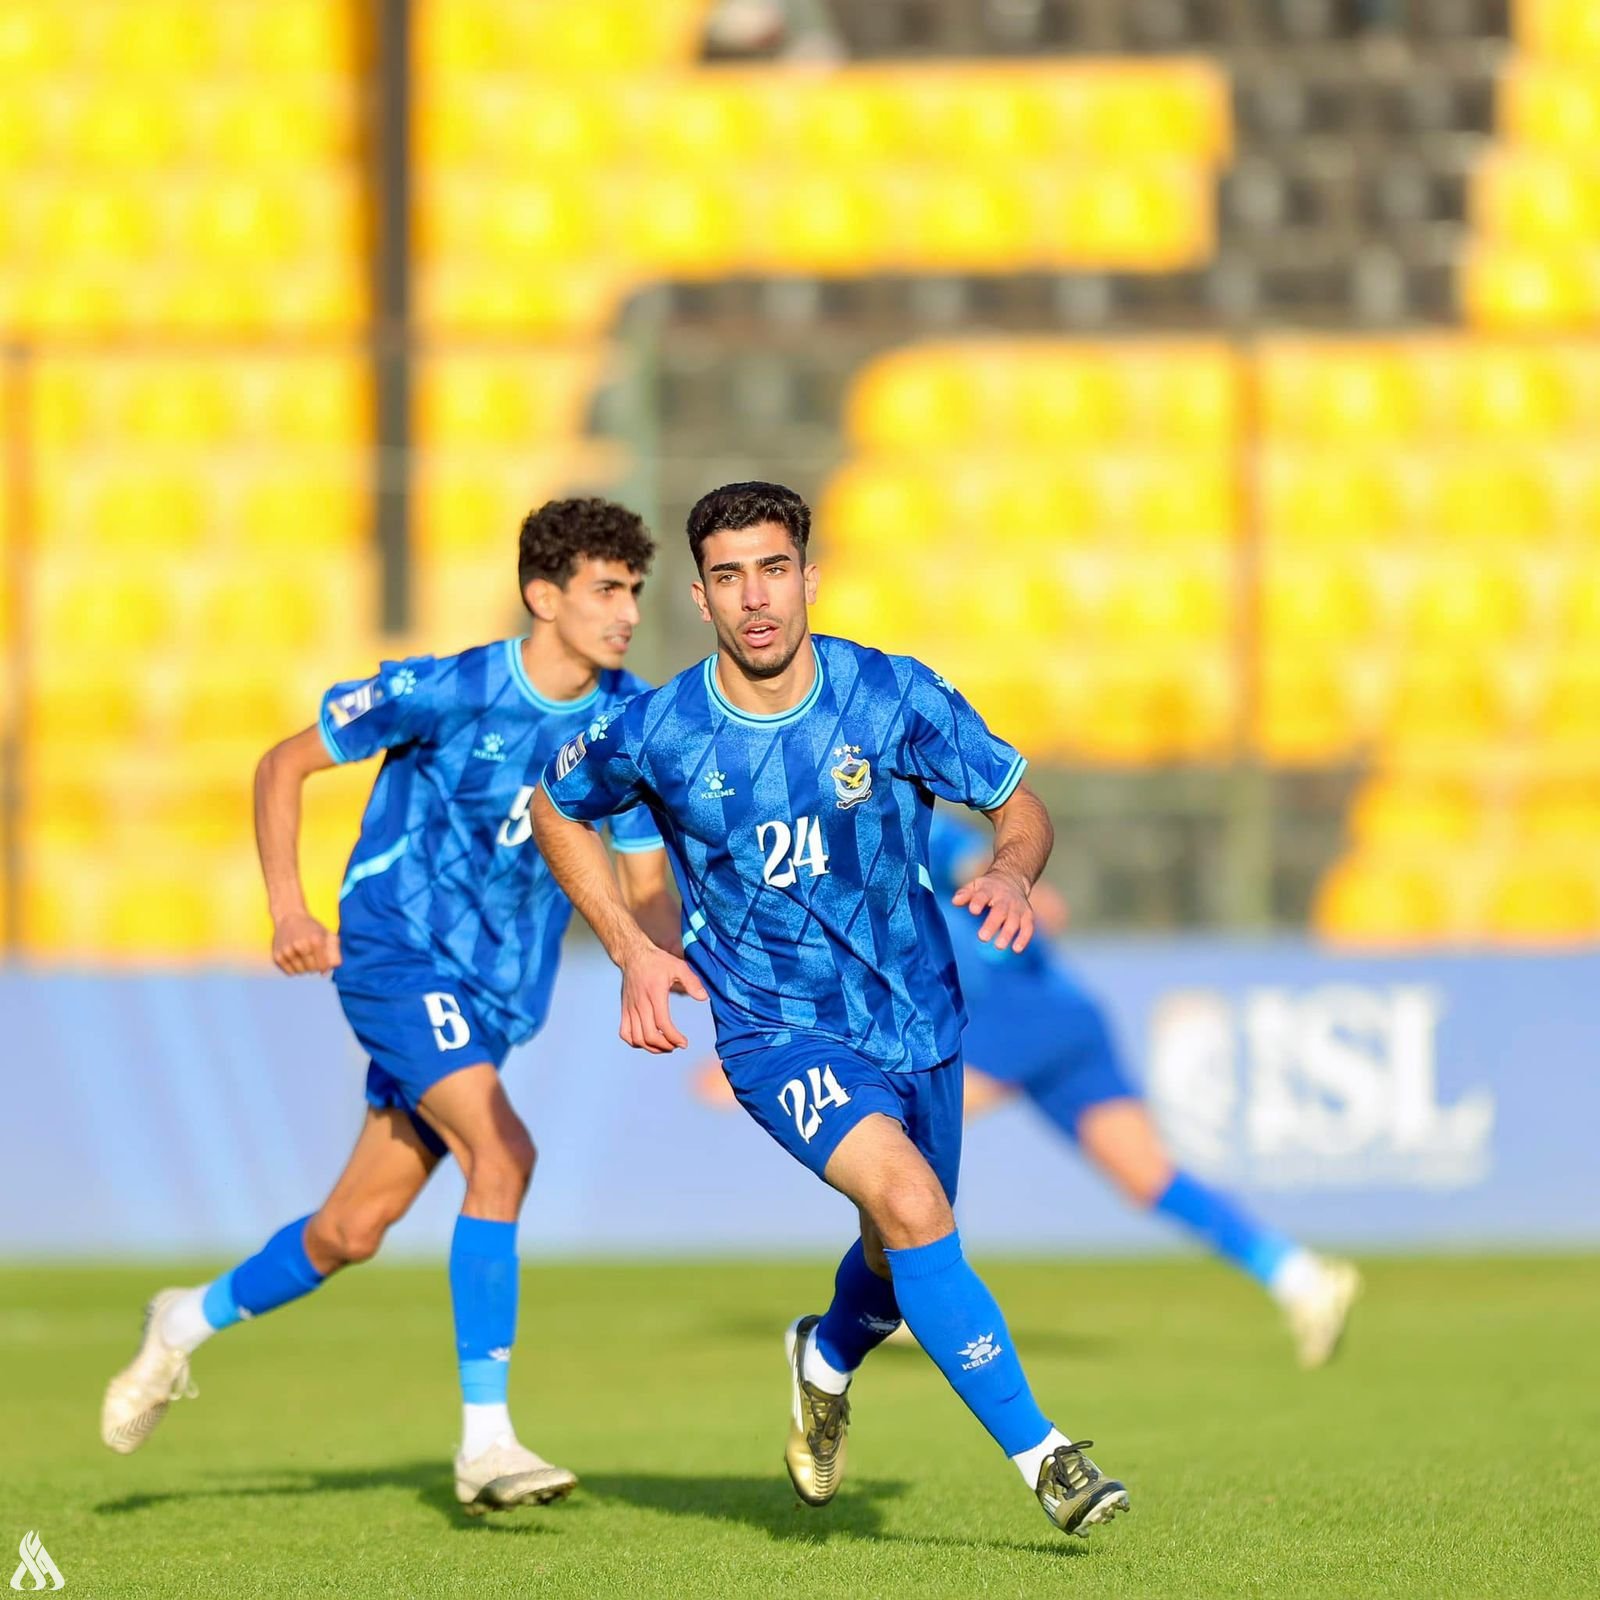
<point x="793" y="779"/>
<point x="449" y="933"/>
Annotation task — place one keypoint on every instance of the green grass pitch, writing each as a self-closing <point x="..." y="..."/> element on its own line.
<point x="1453" y="1450"/>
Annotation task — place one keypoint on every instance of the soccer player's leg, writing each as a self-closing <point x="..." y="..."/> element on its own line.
<point x="472" y="1114"/>
<point x="1084" y="1091"/>
<point x="901" y="1171"/>
<point x="391" y="1162"/>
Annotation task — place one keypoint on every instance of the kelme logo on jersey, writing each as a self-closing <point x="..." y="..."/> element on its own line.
<point x="491" y="748"/>
<point x="852" y="776"/>
<point x="716" y="786"/>
<point x="569" y="755"/>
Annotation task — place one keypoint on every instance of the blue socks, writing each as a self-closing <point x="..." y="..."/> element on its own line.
<point x="958" y="1323"/>
<point x="483" y="1294"/>
<point x="1226" y="1227"/>
<point x="280" y="1271"/>
<point x="863" y="1314"/>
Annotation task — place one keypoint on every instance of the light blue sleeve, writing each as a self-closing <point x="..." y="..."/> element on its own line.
<point x="595" y="776"/>
<point x="398" y="705"/>
<point x="948" y="748"/>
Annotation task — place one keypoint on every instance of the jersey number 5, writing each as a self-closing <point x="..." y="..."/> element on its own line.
<point x="518" y="826"/>
<point x="805" y="840"/>
<point x="825" y="1090"/>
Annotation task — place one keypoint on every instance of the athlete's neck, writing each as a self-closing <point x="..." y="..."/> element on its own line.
<point x="769" y="697"/>
<point x="554" y="670"/>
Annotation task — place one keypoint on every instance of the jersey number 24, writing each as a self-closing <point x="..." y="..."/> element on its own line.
<point x="788" y="849"/>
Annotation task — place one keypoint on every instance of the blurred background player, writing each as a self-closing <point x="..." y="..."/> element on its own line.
<point x="793" y="778"/>
<point x="450" y="930"/>
<point x="1033" y="1029"/>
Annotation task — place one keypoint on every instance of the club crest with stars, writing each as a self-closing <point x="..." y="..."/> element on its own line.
<point x="852" y="776"/>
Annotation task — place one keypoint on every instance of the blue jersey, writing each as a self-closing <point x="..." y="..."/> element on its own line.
<point x="800" y="844"/>
<point x="445" y="878"/>
<point x="954" y="844"/>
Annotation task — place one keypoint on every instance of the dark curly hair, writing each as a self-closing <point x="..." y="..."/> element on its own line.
<point x="748" y="505"/>
<point x="561" y="533"/>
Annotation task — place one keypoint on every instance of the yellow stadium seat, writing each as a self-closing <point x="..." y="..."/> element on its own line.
<point x="1537" y="202"/>
<point x="169" y="38"/>
<point x="36" y="42"/>
<point x="293" y="38"/>
<point x="1307" y="712"/>
<point x="919" y="399"/>
<point x="1322" y="599"/>
<point x="488" y="296"/>
<point x="1449" y="703"/>
<point x="288" y="606"/>
<point x="76" y="702"/>
<point x="95" y="221"/>
<point x="1152" y="709"/>
<point x="1503" y="287"/>
<point x="1309" y="497"/>
<point x="1324" y="392"/>
<point x="1468" y="604"/>
<point x="1191" y="497"/>
<point x="1381" y="900"/>
<point x="160" y="909"/>
<point x="1538" y="901"/>
<point x="1159" y="216"/>
<point x="1400" y="812"/>
<point x="686" y="224"/>
<point x="268" y="221"/>
<point x="121" y="506"/>
<point x="1498" y="390"/>
<point x="92" y="607"/>
<point x="1172" y="108"/>
<point x="1561" y="813"/>
<point x="127" y="123"/>
<point x="1568" y="716"/>
<point x="319" y="511"/>
<point x="1052" y="397"/>
<point x="871" y="502"/>
<point x="832" y="223"/>
<point x="315" y="400"/>
<point x="254" y="709"/>
<point x="1550" y="106"/>
<point x="1169" y="600"/>
<point x="1562" y="30"/>
<point x="965" y="220"/>
<point x="287" y="123"/>
<point x="480" y="398"/>
<point x="1179" y="394"/>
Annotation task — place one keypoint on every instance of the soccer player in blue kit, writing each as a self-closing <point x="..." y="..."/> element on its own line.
<point x="793" y="778"/>
<point x="450" y="928"/>
<point x="1033" y="1029"/>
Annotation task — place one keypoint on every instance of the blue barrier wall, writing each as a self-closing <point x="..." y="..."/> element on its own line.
<point x="1392" y="1102"/>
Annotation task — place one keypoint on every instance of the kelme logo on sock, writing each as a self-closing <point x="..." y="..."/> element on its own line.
<point x="979" y="1353"/>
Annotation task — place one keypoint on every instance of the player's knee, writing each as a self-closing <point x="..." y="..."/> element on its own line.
<point x="350" y="1235"/>
<point x="502" y="1171"/>
<point x="911" y="1212"/>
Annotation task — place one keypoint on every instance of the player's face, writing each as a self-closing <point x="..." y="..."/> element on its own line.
<point x="595" y="612"/>
<point x="754" y="591"/>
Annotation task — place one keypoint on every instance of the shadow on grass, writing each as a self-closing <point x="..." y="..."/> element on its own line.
<point x="764" y="1504"/>
<point x="769" y="1506"/>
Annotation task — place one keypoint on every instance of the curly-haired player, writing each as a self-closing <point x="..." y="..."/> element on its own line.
<point x="450" y="929"/>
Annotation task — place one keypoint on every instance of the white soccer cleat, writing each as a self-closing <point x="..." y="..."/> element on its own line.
<point x="1317" y="1317"/>
<point x="138" y="1397"/>
<point x="509" y="1474"/>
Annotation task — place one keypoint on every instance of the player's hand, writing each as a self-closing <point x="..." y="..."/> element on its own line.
<point x="1009" y="923"/>
<point x="647" y="979"/>
<point x="301" y="944"/>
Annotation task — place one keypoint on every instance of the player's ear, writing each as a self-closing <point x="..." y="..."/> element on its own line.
<point x="698" y="590"/>
<point x="811" y="577"/>
<point x="542" y="598"/>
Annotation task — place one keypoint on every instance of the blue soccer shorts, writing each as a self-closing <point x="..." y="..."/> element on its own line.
<point x="809" y="1094"/>
<point x="416" y="1038"/>
<point x="1040" y="1031"/>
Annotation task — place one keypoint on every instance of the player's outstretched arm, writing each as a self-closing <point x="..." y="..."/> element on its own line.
<point x="299" y="942"/>
<point x="577" y="858"/>
<point x="1023" y="836"/>
<point x="647" y="888"/>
